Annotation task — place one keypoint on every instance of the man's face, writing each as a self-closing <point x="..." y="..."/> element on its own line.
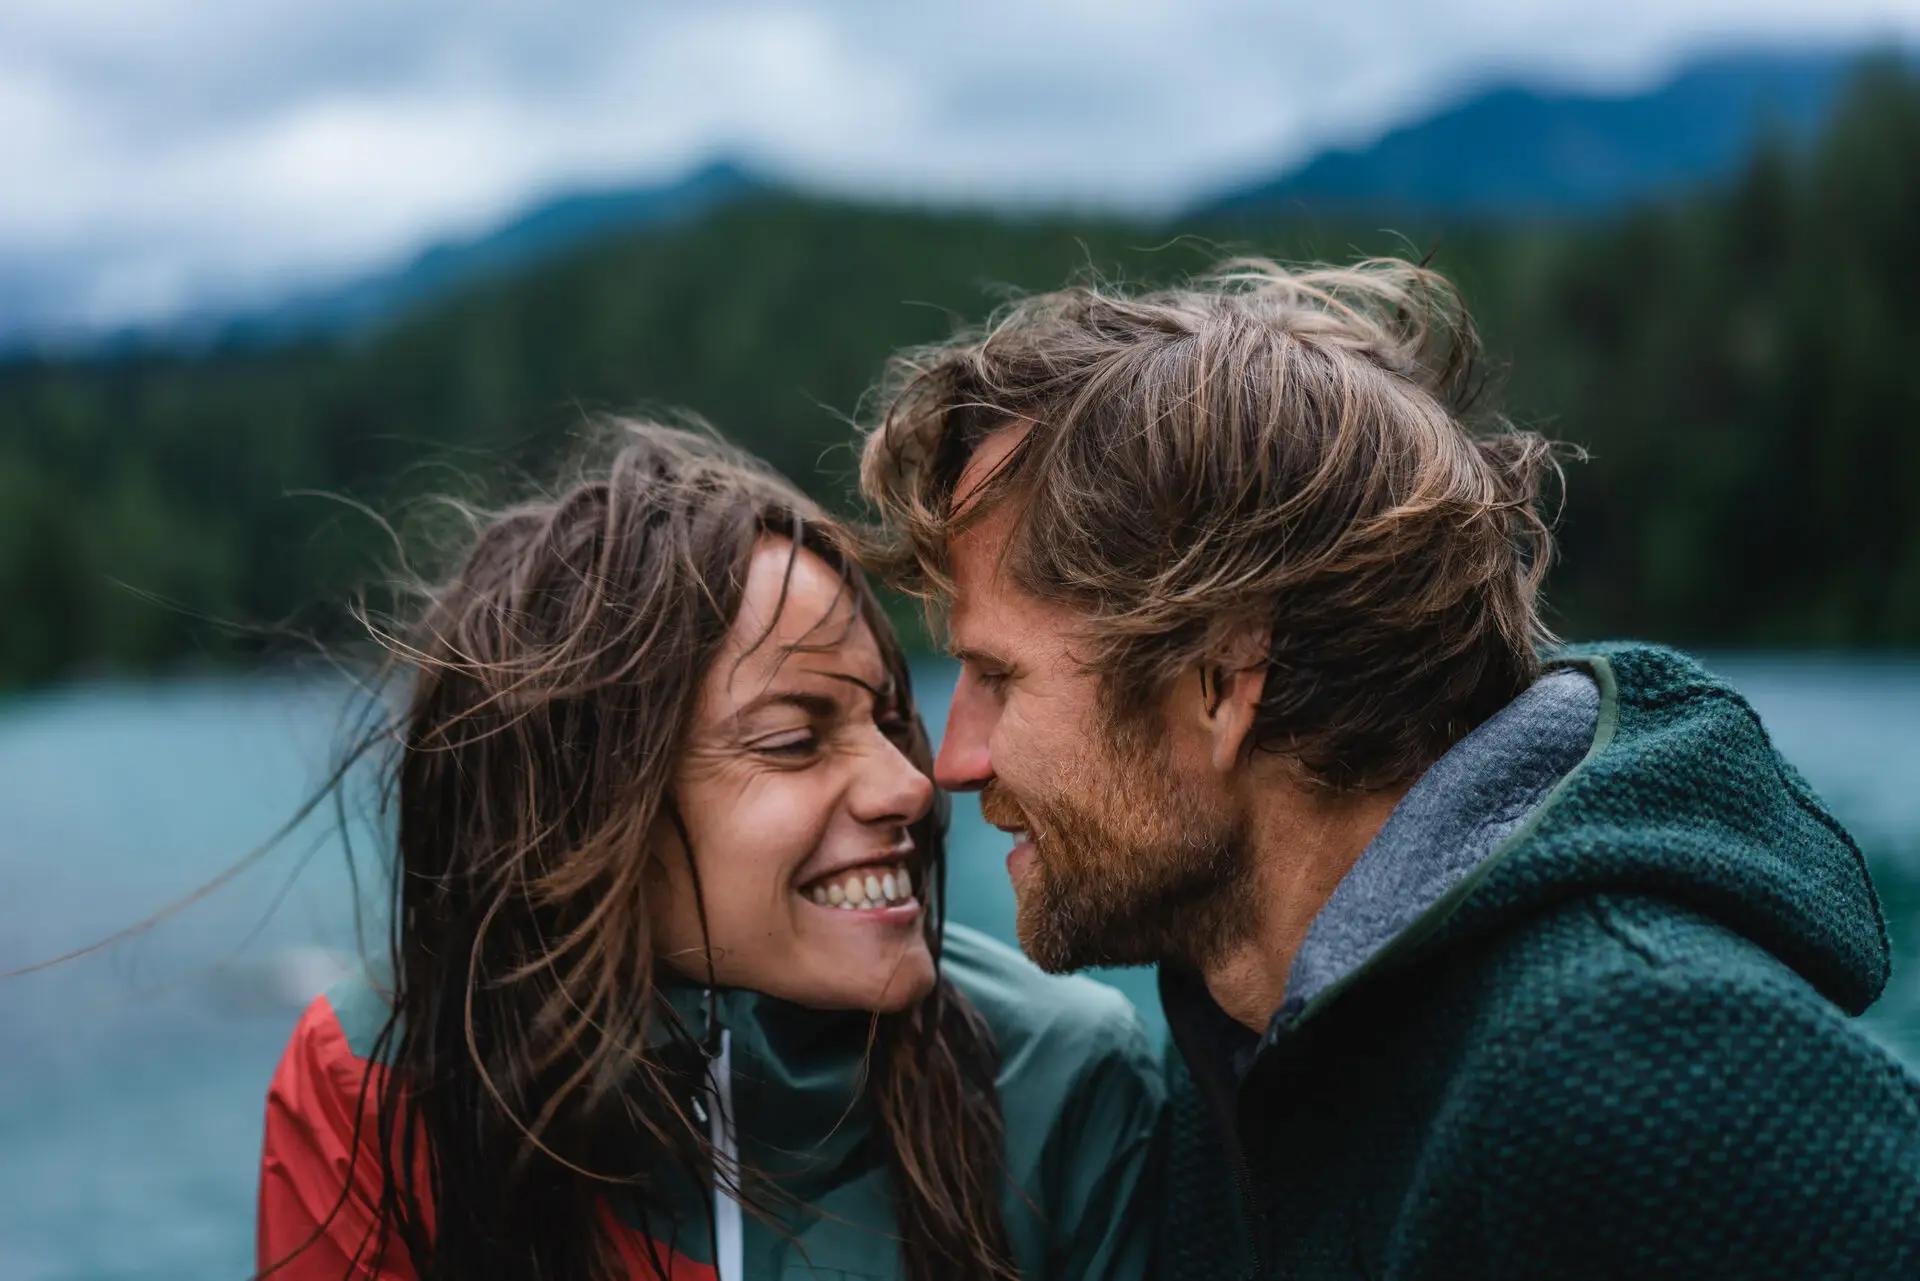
<point x="1127" y="849"/>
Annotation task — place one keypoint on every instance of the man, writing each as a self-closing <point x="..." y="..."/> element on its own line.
<point x="1476" y="964"/>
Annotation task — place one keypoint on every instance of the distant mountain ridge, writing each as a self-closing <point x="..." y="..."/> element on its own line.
<point x="1515" y="151"/>
<point x="546" y="230"/>
<point x="1507" y="151"/>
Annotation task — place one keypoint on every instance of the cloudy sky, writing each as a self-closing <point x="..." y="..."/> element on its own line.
<point x="160" y="154"/>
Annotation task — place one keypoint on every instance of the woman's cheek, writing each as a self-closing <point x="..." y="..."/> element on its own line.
<point x="766" y="838"/>
<point x="788" y="818"/>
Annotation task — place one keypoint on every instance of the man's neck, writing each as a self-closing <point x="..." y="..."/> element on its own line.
<point x="1304" y="841"/>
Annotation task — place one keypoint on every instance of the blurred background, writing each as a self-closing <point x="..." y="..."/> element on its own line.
<point x="255" y="259"/>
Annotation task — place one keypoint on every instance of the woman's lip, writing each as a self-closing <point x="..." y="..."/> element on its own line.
<point x="894" y="914"/>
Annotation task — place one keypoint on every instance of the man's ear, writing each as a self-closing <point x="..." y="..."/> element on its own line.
<point x="1230" y="690"/>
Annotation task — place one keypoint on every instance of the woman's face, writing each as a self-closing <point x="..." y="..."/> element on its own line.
<point x="797" y="797"/>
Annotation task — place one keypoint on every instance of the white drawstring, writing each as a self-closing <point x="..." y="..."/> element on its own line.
<point x="728" y="1252"/>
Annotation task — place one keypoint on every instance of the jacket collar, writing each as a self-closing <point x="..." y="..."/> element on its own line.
<point x="1449" y="826"/>
<point x="798" y="1077"/>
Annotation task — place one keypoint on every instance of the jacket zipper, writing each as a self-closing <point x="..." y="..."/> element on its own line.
<point x="728" y="1252"/>
<point x="1244" y="1179"/>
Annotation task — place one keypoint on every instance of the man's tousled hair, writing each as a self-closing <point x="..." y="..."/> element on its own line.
<point x="1265" y="450"/>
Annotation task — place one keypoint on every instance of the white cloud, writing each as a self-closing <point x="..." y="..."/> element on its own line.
<point x="163" y="154"/>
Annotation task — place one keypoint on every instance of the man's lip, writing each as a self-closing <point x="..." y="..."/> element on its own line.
<point x="1018" y="857"/>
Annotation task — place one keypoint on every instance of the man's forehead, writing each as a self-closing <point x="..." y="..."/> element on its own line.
<point x="971" y="565"/>
<point x="980" y="630"/>
<point x="990" y="614"/>
<point x="976" y="550"/>
<point x="977" y="560"/>
<point x="986" y="602"/>
<point x="986" y="458"/>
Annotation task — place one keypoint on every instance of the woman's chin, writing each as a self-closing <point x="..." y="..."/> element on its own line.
<point x="876" y="987"/>
<point x="903" y="992"/>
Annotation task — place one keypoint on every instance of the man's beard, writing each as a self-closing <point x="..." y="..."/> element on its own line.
<point x="1131" y="865"/>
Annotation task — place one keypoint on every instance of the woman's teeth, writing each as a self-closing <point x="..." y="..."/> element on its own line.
<point x="866" y="890"/>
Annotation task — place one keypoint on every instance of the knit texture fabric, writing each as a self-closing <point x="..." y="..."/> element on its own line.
<point x="1623" y="1049"/>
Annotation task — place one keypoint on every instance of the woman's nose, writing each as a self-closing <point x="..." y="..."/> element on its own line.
<point x="891" y="788"/>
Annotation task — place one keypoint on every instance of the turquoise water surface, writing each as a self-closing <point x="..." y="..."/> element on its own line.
<point x="131" y="1081"/>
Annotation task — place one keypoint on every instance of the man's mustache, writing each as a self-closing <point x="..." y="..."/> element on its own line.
<point x="1000" y="809"/>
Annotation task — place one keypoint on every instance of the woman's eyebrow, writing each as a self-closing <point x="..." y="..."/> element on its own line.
<point x="881" y="693"/>
<point x="818" y="705"/>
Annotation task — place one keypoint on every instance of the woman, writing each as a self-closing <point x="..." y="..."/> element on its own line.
<point x="669" y="993"/>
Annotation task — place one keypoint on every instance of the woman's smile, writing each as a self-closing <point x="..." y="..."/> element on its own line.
<point x="870" y="889"/>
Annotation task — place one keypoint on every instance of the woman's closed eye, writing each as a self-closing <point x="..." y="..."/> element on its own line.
<point x="791" y="744"/>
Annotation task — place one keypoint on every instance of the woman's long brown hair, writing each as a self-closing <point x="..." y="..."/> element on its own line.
<point x="533" y="1071"/>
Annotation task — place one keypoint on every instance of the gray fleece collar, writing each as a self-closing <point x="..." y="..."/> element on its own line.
<point x="1451" y="820"/>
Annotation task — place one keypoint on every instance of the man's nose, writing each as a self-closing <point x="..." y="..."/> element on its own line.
<point x="964" y="763"/>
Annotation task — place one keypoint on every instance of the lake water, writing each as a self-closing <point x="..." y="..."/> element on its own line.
<point x="131" y="1081"/>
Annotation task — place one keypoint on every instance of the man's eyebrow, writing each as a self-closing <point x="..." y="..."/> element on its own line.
<point x="978" y="657"/>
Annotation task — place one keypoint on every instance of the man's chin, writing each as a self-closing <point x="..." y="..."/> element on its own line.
<point x="1056" y="940"/>
<point x="1046" y="951"/>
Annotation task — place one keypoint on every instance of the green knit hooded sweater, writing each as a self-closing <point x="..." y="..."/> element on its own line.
<point x="1584" y="1009"/>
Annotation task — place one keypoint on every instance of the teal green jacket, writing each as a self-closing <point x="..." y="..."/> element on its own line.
<point x="1080" y="1090"/>
<point x="1583" y="1009"/>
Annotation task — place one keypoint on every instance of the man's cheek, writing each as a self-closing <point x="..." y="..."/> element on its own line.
<point x="1032" y="751"/>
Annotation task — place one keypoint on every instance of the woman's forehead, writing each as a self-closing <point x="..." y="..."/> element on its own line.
<point x="792" y="597"/>
<point x="797" y="614"/>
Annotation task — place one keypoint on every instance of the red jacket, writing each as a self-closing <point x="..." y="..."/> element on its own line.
<point x="313" y="1154"/>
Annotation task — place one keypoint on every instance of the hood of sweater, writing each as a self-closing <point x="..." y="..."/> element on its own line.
<point x="1626" y="769"/>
